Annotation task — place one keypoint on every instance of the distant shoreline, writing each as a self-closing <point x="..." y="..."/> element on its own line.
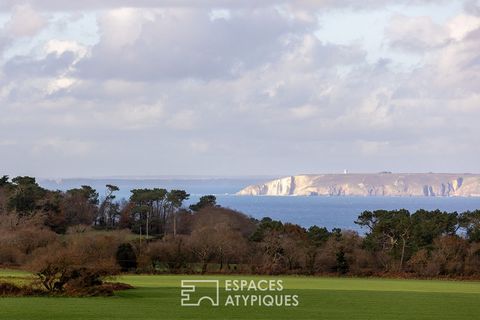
<point x="371" y="184"/>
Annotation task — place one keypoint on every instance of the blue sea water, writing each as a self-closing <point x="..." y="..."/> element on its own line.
<point x="337" y="212"/>
<point x="329" y="212"/>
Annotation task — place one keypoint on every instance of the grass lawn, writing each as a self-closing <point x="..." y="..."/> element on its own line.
<point x="15" y="276"/>
<point x="158" y="297"/>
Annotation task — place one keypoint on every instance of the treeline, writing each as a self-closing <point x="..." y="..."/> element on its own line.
<point x="77" y="237"/>
<point x="148" y="211"/>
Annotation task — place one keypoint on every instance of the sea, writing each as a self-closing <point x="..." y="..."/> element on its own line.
<point x="330" y="212"/>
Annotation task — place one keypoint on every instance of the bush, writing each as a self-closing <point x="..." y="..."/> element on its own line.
<point x="126" y="257"/>
<point x="171" y="253"/>
<point x="80" y="262"/>
<point x="8" y="289"/>
<point x="18" y="241"/>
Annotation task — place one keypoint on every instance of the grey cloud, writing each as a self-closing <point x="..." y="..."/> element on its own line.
<point x="416" y="34"/>
<point x="472" y="7"/>
<point x="453" y="74"/>
<point x="210" y="105"/>
<point x="189" y="44"/>
<point x="4" y="41"/>
<point x="61" y="5"/>
<point x="473" y="60"/>
<point x="24" y="21"/>
<point x="50" y="66"/>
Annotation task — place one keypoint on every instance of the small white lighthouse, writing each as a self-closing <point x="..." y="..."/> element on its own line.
<point x="345" y="171"/>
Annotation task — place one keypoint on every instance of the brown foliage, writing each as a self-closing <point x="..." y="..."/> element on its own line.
<point x="217" y="243"/>
<point x="19" y="237"/>
<point x="82" y="261"/>
<point x="472" y="261"/>
<point x="172" y="252"/>
<point x="449" y="254"/>
<point x="233" y="220"/>
<point x="448" y="257"/>
<point x="8" y="289"/>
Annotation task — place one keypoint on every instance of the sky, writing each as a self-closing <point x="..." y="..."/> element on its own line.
<point x="99" y="88"/>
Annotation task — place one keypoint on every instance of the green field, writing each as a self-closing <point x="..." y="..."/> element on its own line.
<point x="158" y="297"/>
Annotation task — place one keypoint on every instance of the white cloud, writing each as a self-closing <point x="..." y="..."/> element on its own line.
<point x="25" y="22"/>
<point x="190" y="93"/>
<point x="59" y="47"/>
<point x="416" y="34"/>
<point x="303" y="111"/>
<point x="55" y="5"/>
<point x="7" y="142"/>
<point x="132" y="116"/>
<point x="59" y="145"/>
<point x="183" y="120"/>
<point x="220" y="14"/>
<point x="59" y="84"/>
<point x="372" y="148"/>
<point x="122" y="27"/>
<point x="461" y="25"/>
<point x="186" y="43"/>
<point x="199" y="146"/>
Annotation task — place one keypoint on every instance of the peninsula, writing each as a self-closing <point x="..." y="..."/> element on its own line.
<point x="371" y="184"/>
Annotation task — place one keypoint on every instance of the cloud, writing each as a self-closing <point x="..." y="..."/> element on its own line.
<point x="59" y="47"/>
<point x="199" y="146"/>
<point x="183" y="120"/>
<point x="7" y="142"/>
<point x="60" y="83"/>
<point x="131" y="116"/>
<point x="420" y="34"/>
<point x="304" y="111"/>
<point x="249" y="90"/>
<point x="56" y="5"/>
<point x="472" y="7"/>
<point x="416" y="34"/>
<point x="28" y="67"/>
<point x="461" y="25"/>
<point x="450" y="73"/>
<point x="25" y="22"/>
<point x="65" y="147"/>
<point x="182" y="43"/>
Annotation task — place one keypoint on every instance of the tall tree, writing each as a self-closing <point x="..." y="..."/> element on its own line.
<point x="26" y="196"/>
<point x="175" y="200"/>
<point x="109" y="210"/>
<point x="429" y="225"/>
<point x="389" y="231"/>
<point x="80" y="205"/>
<point x="149" y="206"/>
<point x="204" y="202"/>
<point x="470" y="222"/>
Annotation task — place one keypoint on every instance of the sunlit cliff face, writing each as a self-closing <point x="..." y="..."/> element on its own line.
<point x="383" y="184"/>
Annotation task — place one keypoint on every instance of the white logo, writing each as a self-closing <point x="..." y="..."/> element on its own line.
<point x="189" y="289"/>
<point x="237" y="293"/>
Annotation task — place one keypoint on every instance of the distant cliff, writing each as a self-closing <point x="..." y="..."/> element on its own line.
<point x="375" y="184"/>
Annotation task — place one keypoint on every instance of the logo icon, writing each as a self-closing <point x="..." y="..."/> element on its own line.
<point x="196" y="291"/>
